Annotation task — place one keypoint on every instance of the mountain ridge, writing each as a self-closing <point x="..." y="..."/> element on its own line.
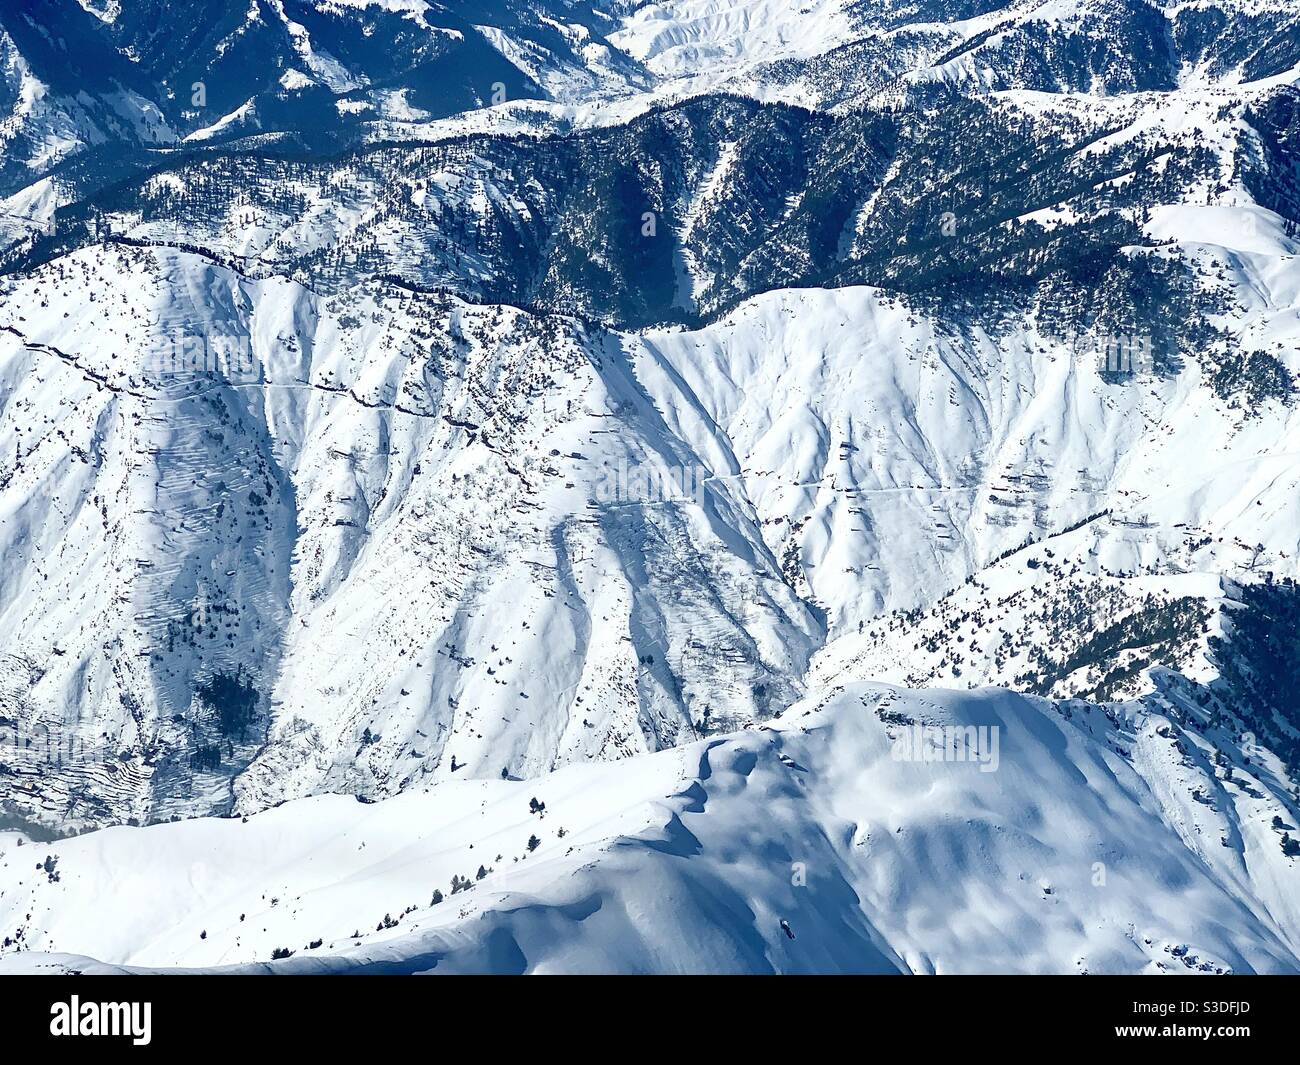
<point x="614" y="405"/>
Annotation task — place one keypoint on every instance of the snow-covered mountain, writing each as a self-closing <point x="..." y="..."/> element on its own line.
<point x="661" y="410"/>
<point x="1097" y="841"/>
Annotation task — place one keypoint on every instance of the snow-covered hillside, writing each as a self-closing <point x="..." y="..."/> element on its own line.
<point x="1083" y="840"/>
<point x="659" y="410"/>
<point x="380" y="536"/>
<point x="391" y="536"/>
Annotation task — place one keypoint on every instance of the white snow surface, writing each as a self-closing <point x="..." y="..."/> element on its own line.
<point x="1069" y="857"/>
<point x="393" y="521"/>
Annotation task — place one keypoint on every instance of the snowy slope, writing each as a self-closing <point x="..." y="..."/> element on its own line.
<point x="889" y="459"/>
<point x="382" y="537"/>
<point x="1072" y="855"/>
<point x="607" y="402"/>
<point x="366" y="544"/>
<point x="411" y="515"/>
